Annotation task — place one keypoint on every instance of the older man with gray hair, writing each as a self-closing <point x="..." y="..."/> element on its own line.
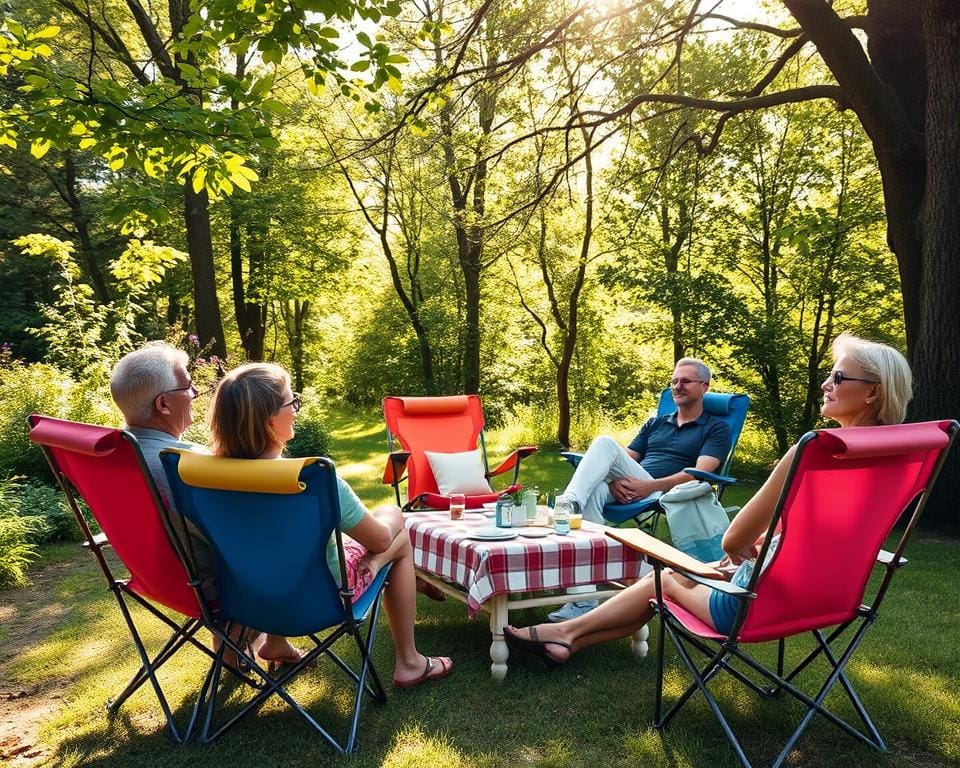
<point x="654" y="460"/>
<point x="153" y="390"/>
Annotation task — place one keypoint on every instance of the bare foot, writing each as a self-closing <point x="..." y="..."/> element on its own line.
<point x="279" y="650"/>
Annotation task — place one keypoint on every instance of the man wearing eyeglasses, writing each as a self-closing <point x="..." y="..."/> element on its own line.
<point x="153" y="390"/>
<point x="653" y="463"/>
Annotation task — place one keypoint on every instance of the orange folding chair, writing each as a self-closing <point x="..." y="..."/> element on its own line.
<point x="103" y="467"/>
<point x="442" y="425"/>
<point x="844" y="492"/>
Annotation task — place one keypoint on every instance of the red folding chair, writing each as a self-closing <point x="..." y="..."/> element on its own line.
<point x="844" y="492"/>
<point x="450" y="424"/>
<point x="103" y="466"/>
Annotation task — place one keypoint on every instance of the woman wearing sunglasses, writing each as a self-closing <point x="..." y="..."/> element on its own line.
<point x="870" y="384"/>
<point x="253" y="417"/>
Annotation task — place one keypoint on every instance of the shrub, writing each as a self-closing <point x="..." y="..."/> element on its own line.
<point x="42" y="388"/>
<point x="47" y="503"/>
<point x="16" y="530"/>
<point x="312" y="437"/>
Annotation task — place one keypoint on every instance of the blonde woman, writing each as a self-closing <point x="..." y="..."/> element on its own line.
<point x="253" y="417"/>
<point x="870" y="384"/>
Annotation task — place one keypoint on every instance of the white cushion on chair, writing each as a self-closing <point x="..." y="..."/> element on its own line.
<point x="458" y="472"/>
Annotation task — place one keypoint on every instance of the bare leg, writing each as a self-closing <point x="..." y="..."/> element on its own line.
<point x="621" y="615"/>
<point x="400" y="598"/>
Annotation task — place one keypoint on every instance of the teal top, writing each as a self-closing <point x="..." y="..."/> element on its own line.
<point x="351" y="513"/>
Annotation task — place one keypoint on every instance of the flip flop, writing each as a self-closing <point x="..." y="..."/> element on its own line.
<point x="534" y="646"/>
<point x="446" y="667"/>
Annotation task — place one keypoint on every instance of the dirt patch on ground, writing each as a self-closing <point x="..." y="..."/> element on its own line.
<point x="27" y="617"/>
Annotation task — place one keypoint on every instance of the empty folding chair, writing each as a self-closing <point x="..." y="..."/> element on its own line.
<point x="440" y="454"/>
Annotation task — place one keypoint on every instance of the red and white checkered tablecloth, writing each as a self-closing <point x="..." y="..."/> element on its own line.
<point x="442" y="546"/>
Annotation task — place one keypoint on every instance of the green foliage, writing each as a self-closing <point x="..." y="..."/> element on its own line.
<point x="162" y="127"/>
<point x="47" y="503"/>
<point x="81" y="333"/>
<point x="312" y="435"/>
<point x="16" y="531"/>
<point x="76" y="325"/>
<point x="43" y="388"/>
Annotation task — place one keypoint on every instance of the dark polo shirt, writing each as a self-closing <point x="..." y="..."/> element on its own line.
<point x="665" y="449"/>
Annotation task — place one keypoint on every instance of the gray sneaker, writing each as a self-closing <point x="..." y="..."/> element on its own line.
<point x="572" y="610"/>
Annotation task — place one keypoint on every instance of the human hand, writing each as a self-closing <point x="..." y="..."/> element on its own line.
<point x="726" y="566"/>
<point x="619" y="490"/>
<point x="627" y="489"/>
<point x="747" y="553"/>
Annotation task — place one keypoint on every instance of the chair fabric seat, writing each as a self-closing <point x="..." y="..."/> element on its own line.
<point x="269" y="541"/>
<point x="845" y="490"/>
<point x="103" y="466"/>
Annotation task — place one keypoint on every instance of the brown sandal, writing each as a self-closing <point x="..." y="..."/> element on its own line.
<point x="446" y="667"/>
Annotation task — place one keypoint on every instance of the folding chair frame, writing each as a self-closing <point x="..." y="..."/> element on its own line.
<point x="367" y="680"/>
<point x="182" y="632"/>
<point x="720" y="654"/>
<point x="270" y="685"/>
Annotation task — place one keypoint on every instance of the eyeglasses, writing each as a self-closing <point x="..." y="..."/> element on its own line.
<point x="838" y="377"/>
<point x="191" y="388"/>
<point x="295" y="403"/>
<point x="685" y="382"/>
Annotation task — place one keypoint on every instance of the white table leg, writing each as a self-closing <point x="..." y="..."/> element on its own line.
<point x="638" y="642"/>
<point x="499" y="652"/>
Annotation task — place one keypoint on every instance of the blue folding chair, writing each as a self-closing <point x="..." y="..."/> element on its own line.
<point x="646" y="512"/>
<point x="268" y="523"/>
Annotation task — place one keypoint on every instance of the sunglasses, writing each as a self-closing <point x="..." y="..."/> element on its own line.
<point x="294" y="403"/>
<point x="838" y="377"/>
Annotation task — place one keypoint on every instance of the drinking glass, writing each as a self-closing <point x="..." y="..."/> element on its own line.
<point x="457" y="503"/>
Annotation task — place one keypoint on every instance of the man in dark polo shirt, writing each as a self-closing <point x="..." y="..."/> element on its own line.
<point x="654" y="461"/>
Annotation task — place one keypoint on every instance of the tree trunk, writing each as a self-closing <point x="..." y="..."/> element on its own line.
<point x="196" y="213"/>
<point x="907" y="96"/>
<point x="935" y="353"/>
<point x="80" y="223"/>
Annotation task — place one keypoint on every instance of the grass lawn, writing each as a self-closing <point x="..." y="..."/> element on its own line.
<point x="64" y="652"/>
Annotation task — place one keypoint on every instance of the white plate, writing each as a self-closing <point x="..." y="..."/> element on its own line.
<point x="534" y="533"/>
<point x="493" y="534"/>
<point x="489" y="506"/>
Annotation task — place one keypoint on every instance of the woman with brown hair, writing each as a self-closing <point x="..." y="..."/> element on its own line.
<point x="253" y="417"/>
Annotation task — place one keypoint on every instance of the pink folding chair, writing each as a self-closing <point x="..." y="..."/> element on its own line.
<point x="451" y="424"/>
<point x="844" y="492"/>
<point x="103" y="466"/>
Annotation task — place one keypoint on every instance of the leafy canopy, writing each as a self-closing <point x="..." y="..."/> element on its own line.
<point x="188" y="114"/>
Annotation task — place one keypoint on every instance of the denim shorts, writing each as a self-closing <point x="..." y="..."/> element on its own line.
<point x="723" y="606"/>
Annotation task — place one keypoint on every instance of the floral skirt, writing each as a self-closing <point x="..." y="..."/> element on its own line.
<point x="358" y="575"/>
